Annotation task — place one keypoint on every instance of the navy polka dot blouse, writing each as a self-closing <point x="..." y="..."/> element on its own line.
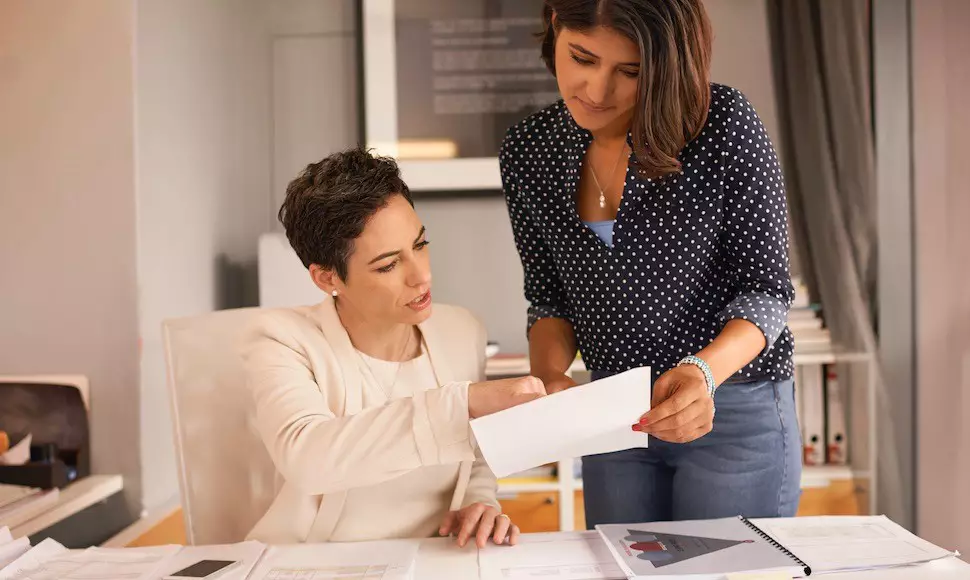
<point x="690" y="250"/>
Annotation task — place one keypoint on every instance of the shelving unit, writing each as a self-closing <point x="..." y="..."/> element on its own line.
<point x="565" y="484"/>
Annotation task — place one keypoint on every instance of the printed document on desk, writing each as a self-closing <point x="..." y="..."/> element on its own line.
<point x="34" y="559"/>
<point x="586" y="420"/>
<point x="103" y="564"/>
<point x="381" y="560"/>
<point x="697" y="549"/>
<point x="849" y="543"/>
<point x="553" y="556"/>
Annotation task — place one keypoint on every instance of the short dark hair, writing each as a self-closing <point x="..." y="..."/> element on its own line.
<point x="674" y="38"/>
<point x="328" y="205"/>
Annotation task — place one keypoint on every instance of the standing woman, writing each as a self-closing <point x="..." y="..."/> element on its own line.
<point x="649" y="213"/>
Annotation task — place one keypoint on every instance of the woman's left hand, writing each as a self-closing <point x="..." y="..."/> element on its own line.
<point x="482" y="522"/>
<point x="681" y="409"/>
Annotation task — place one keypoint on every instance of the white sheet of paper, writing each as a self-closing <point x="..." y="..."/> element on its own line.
<point x="246" y="552"/>
<point x="554" y="556"/>
<point x="381" y="560"/>
<point x="585" y="420"/>
<point x="35" y="558"/>
<point x="5" y="535"/>
<point x="10" y="551"/>
<point x="845" y="543"/>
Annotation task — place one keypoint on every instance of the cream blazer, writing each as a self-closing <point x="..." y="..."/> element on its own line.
<point x="309" y="386"/>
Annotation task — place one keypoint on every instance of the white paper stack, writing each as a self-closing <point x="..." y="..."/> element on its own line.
<point x="33" y="560"/>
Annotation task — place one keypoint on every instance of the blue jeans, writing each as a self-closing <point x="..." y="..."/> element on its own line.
<point x="750" y="464"/>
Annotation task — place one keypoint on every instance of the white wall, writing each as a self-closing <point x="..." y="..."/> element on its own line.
<point x="314" y="67"/>
<point x="941" y="145"/>
<point x="67" y="206"/>
<point x="742" y="55"/>
<point x="203" y="181"/>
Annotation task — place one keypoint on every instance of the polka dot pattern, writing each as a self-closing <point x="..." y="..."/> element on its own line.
<point x="690" y="251"/>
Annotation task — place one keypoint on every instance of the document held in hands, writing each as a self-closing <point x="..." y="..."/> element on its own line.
<point x="586" y="420"/>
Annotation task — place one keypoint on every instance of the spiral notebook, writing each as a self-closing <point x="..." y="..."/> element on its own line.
<point x="698" y="549"/>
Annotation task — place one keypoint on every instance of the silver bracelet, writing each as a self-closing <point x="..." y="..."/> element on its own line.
<point x="705" y="368"/>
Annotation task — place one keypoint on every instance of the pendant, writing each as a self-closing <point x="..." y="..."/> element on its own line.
<point x="602" y="201"/>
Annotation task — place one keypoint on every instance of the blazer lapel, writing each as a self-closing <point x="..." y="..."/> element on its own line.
<point x="352" y="372"/>
<point x="437" y="352"/>
<point x="333" y="330"/>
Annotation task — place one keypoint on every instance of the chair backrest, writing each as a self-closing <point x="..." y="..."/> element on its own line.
<point x="226" y="477"/>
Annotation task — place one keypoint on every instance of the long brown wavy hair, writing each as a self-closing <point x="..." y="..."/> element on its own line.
<point x="673" y="94"/>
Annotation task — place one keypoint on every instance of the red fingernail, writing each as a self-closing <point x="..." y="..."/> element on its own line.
<point x="636" y="427"/>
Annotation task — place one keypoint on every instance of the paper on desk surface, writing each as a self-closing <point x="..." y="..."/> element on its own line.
<point x="35" y="558"/>
<point x="5" y="535"/>
<point x="552" y="556"/>
<point x="585" y="420"/>
<point x="10" y="551"/>
<point x="849" y="543"/>
<point x="386" y="559"/>
<point x="100" y="564"/>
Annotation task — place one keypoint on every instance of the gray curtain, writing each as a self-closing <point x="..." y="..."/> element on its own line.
<point x="822" y="70"/>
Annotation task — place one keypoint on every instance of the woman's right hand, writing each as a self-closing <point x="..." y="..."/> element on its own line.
<point x="490" y="397"/>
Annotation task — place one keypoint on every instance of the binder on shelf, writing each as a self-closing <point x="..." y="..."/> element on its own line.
<point x="813" y="414"/>
<point x="836" y="438"/>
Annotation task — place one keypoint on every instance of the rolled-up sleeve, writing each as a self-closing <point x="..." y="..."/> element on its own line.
<point x="543" y="289"/>
<point x="756" y="227"/>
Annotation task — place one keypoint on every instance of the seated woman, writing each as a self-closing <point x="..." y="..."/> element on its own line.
<point x="363" y="400"/>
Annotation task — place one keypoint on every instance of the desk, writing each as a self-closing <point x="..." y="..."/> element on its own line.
<point x="87" y="492"/>
<point x="439" y="559"/>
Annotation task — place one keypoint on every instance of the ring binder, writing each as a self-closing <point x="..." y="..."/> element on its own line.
<point x="773" y="542"/>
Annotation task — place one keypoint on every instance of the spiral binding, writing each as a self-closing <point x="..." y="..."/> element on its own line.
<point x="773" y="542"/>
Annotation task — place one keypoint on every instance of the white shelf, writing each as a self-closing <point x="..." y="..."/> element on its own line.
<point x="823" y="475"/>
<point x="812" y="477"/>
<point x="507" y="488"/>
